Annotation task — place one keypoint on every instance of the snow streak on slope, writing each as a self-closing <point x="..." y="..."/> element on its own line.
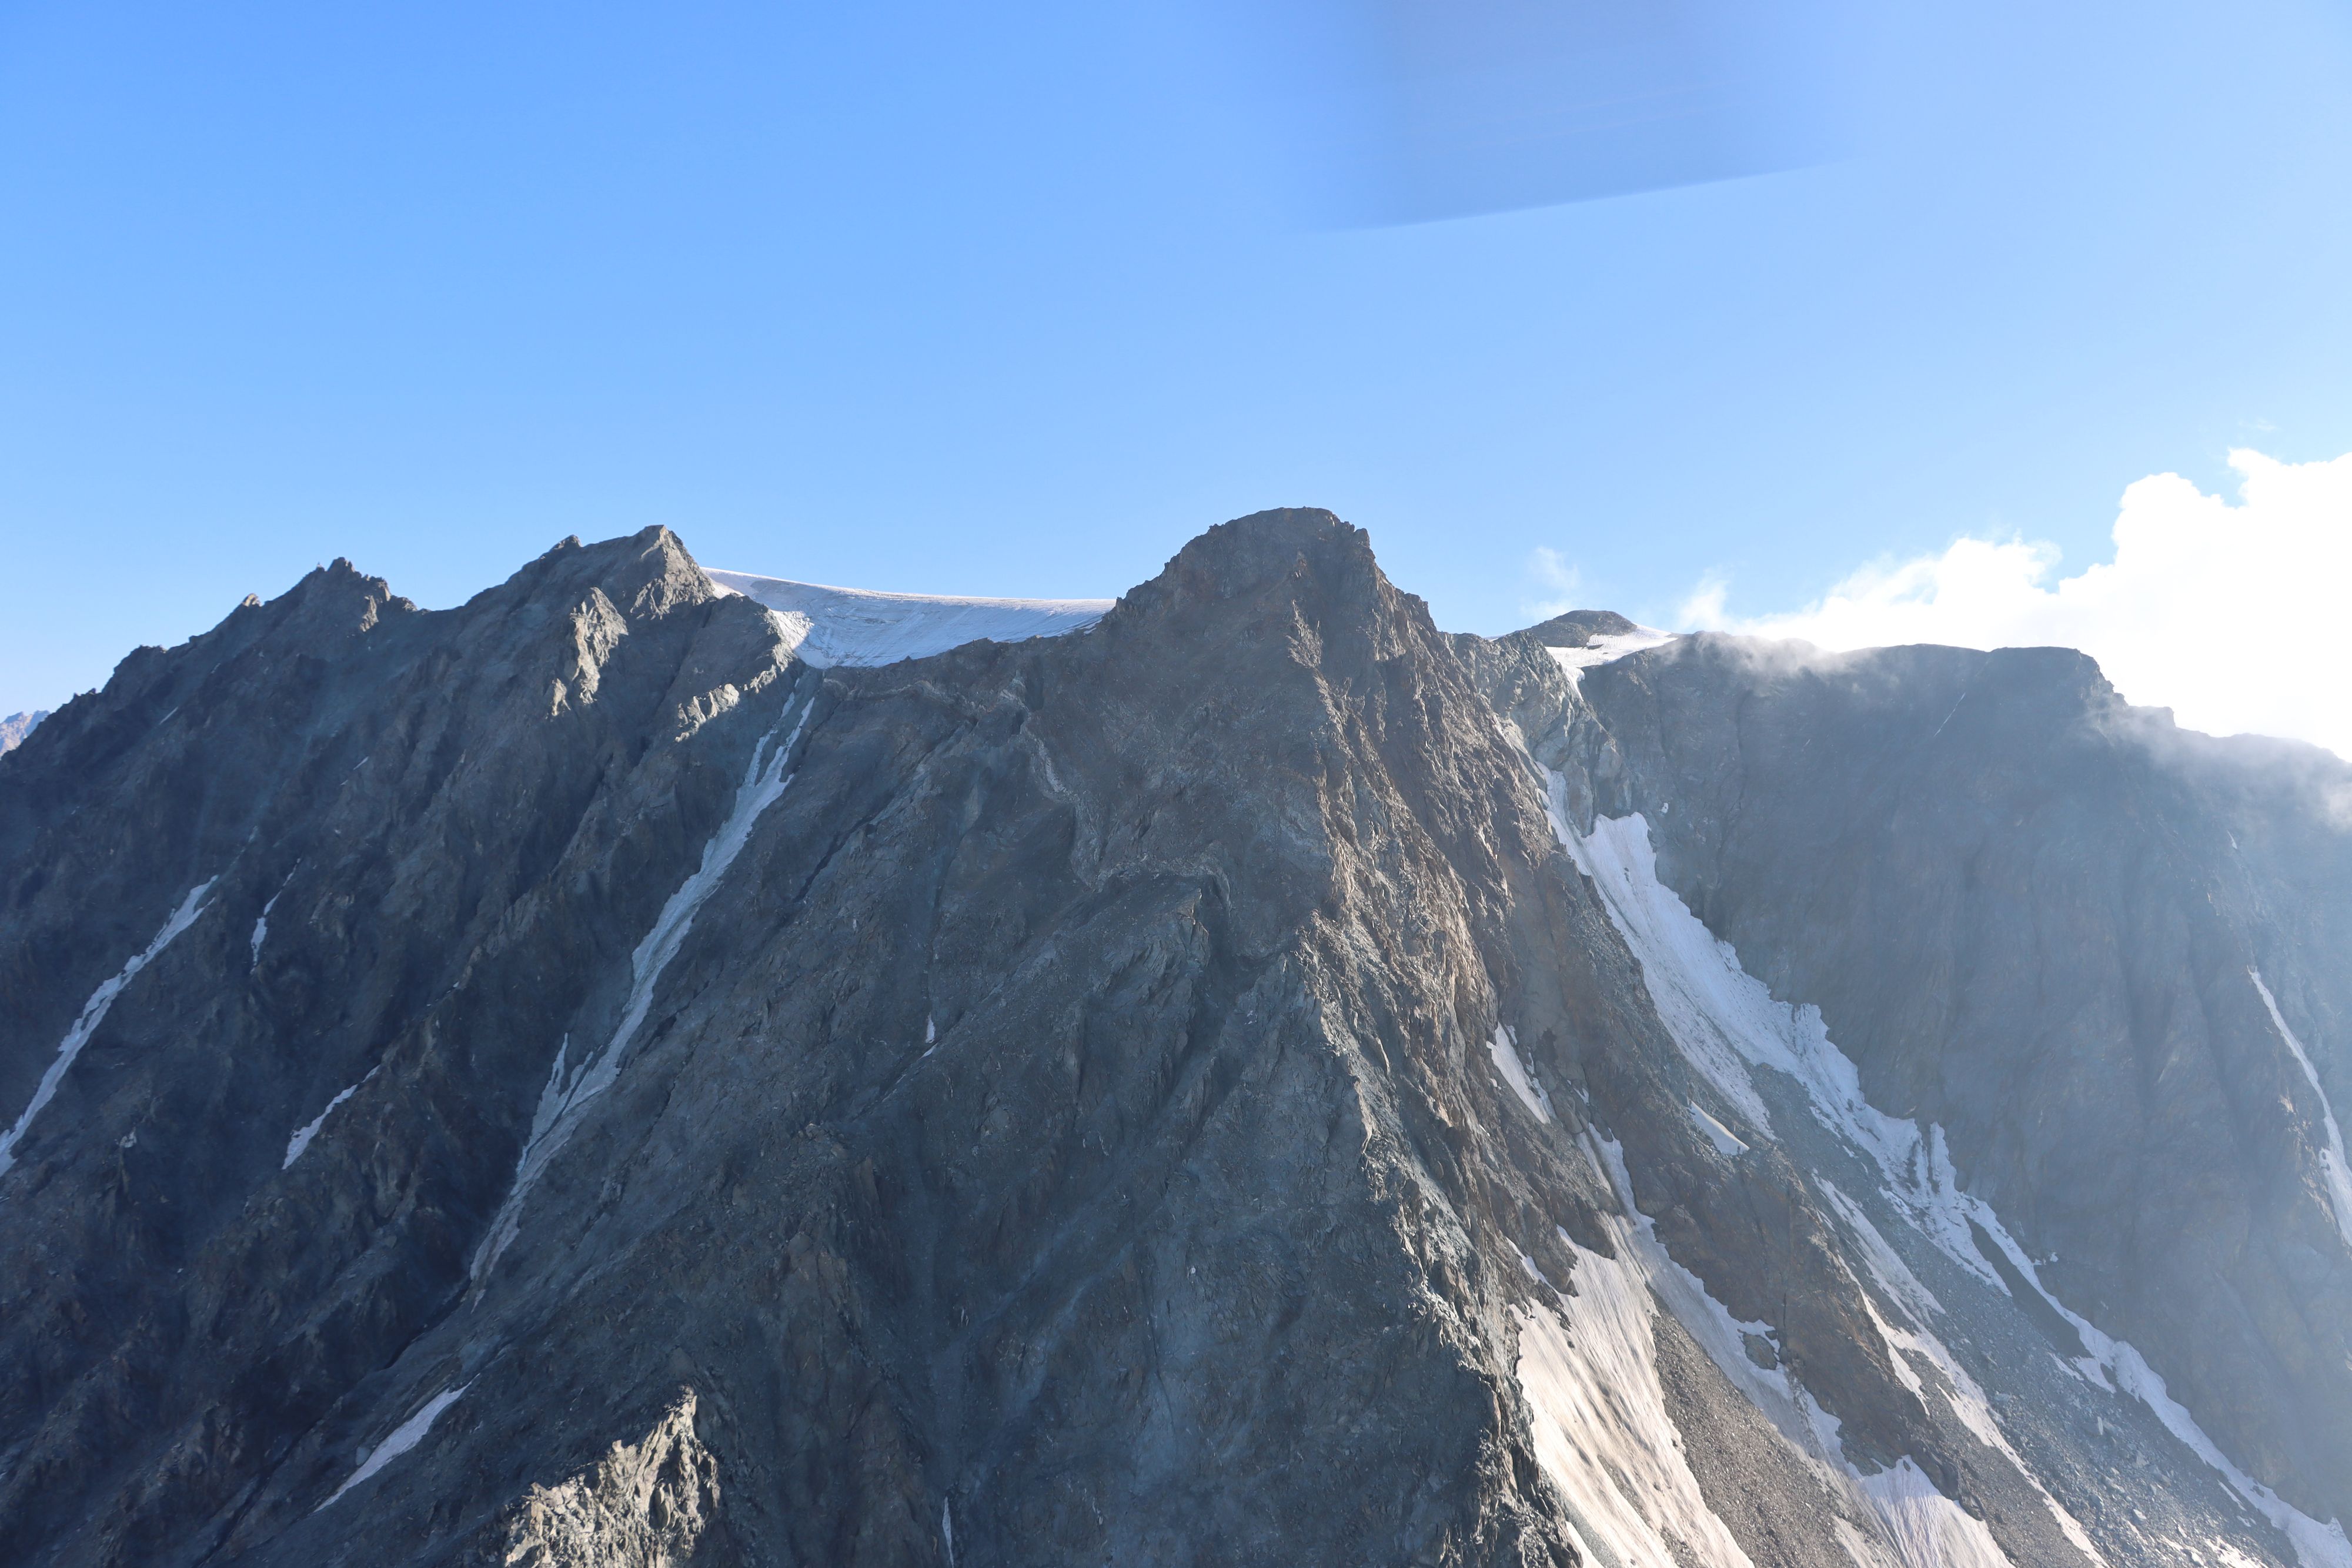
<point x="1911" y="1336"/>
<point x="2317" y="1545"/>
<point x="309" y="1130"/>
<point x="857" y="626"/>
<point x="261" y="925"/>
<point x="93" y="1013"/>
<point x="564" y="1103"/>
<point x="1810" y="1429"/>
<point x="1726" y="1020"/>
<point x="2339" y="1176"/>
<point x="404" y="1437"/>
<point x="1686" y="967"/>
<point x="1505" y="1050"/>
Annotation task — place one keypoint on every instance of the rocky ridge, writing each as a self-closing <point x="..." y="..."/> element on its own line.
<point x="618" y="1072"/>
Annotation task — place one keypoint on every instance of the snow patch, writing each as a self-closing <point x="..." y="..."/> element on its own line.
<point x="1785" y="1401"/>
<point x="261" y="925"/>
<point x="93" y="1013"/>
<point x="856" y="626"/>
<point x="1597" y="1417"/>
<point x="2331" y="1158"/>
<point x="1912" y="1338"/>
<point x="1929" y="1529"/>
<point x="404" y="1437"/>
<point x="1926" y="1529"/>
<point x="1727" y="1143"/>
<point x="1505" y="1048"/>
<point x="564" y="1103"/>
<point x="1887" y="1267"/>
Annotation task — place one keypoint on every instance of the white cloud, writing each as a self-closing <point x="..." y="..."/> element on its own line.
<point x="1551" y="571"/>
<point x="2234" y="616"/>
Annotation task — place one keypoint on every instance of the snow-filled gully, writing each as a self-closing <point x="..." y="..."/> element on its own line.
<point x="1726" y="1023"/>
<point x="564" y="1103"/>
<point x="93" y="1013"/>
<point x="2331" y="1158"/>
<point x="399" y="1441"/>
<point x="309" y="1130"/>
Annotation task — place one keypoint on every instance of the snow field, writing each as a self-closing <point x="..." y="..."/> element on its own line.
<point x="1574" y="661"/>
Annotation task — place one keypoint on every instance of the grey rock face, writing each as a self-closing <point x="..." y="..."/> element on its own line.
<point x="570" y="1080"/>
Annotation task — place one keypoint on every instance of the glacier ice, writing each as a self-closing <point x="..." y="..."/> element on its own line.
<point x="856" y="626"/>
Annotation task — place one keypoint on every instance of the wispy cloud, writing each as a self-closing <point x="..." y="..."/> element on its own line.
<point x="1705" y="607"/>
<point x="1555" y="582"/>
<point x="2232" y="615"/>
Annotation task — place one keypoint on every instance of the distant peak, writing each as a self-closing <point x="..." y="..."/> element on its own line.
<point x="17" y="726"/>
<point x="1578" y="628"/>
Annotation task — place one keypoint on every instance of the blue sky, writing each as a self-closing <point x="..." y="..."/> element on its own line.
<point x="1016" y="299"/>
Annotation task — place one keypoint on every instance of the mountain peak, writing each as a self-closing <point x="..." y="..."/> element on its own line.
<point x="17" y="726"/>
<point x="1578" y="628"/>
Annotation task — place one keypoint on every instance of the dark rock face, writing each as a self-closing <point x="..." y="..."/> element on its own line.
<point x="570" y="1080"/>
